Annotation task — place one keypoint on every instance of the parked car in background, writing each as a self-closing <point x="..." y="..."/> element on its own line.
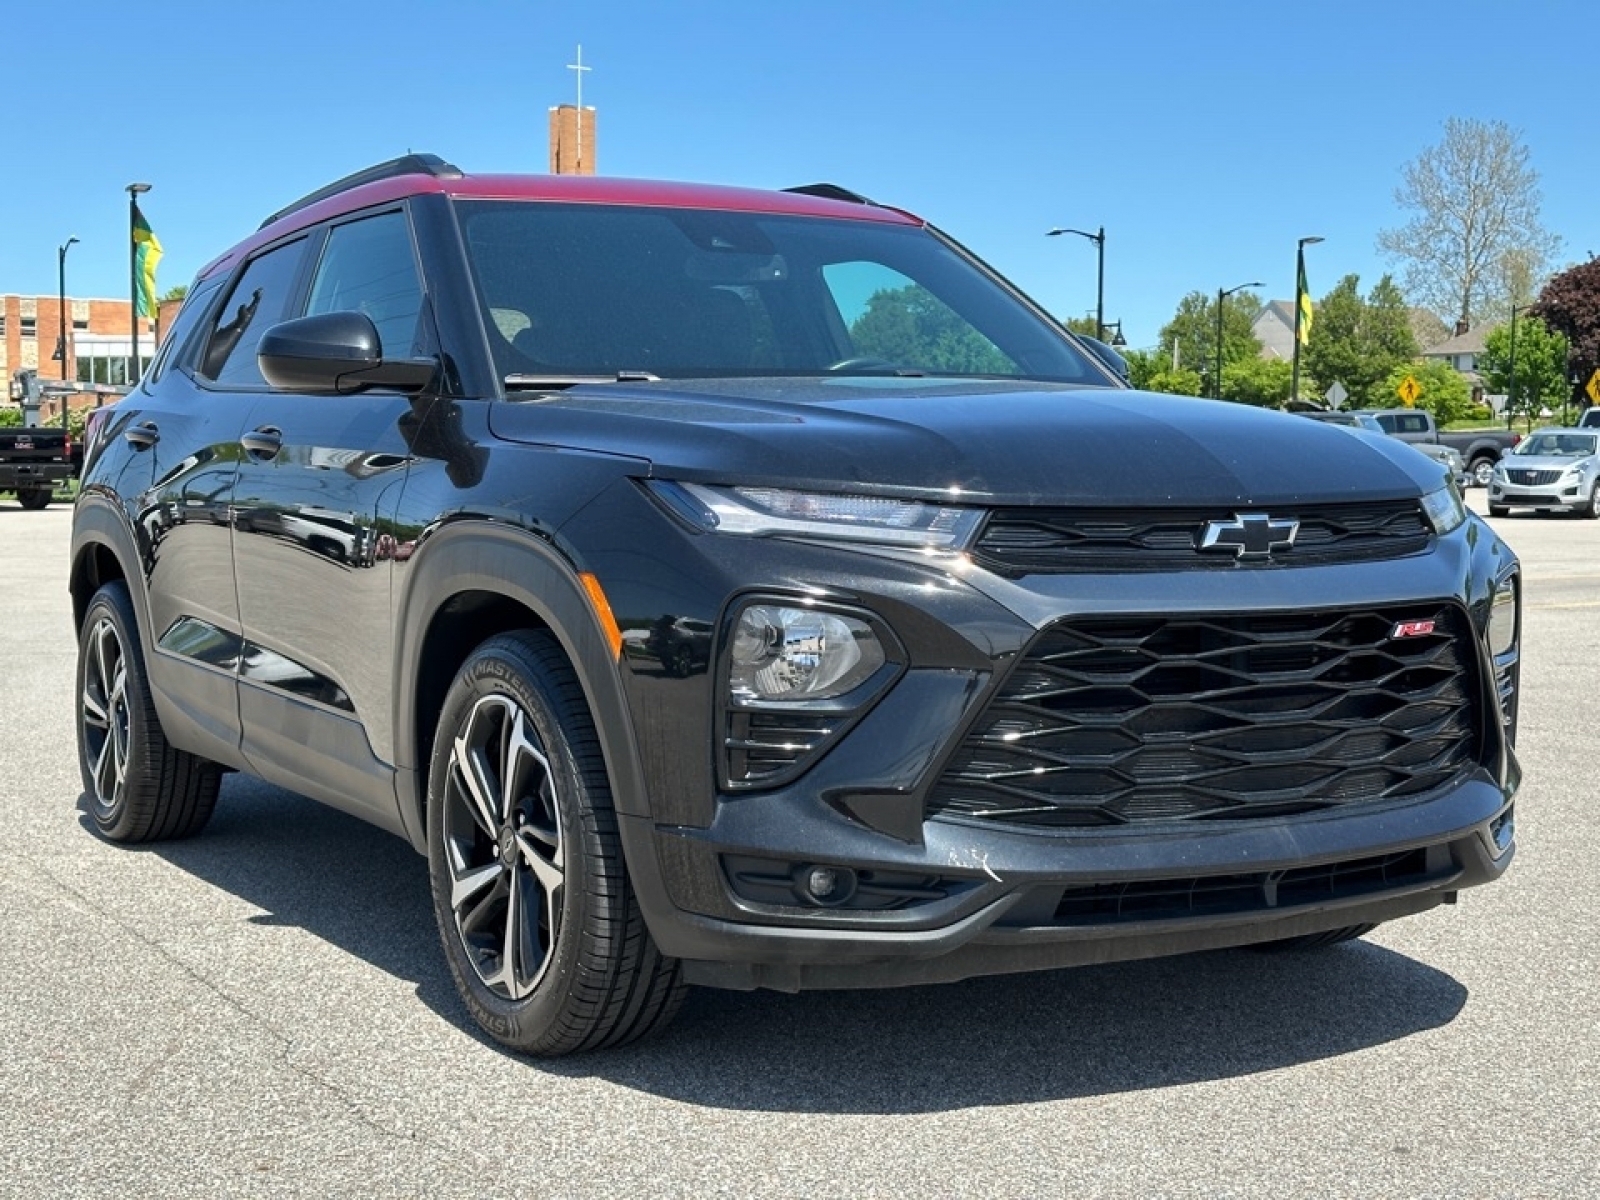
<point x="1590" y="419"/>
<point x="1445" y="456"/>
<point x="1107" y="354"/>
<point x="1480" y="449"/>
<point x="1552" y="469"/>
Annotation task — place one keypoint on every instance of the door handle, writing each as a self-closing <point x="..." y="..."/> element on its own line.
<point x="142" y="436"/>
<point x="264" y="442"/>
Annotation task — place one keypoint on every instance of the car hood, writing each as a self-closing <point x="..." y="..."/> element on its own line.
<point x="1001" y="442"/>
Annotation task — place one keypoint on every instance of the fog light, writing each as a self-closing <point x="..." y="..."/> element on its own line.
<point x="783" y="653"/>
<point x="826" y="885"/>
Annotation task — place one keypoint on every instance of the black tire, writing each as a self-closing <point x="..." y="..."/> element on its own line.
<point x="34" y="499"/>
<point x="541" y="929"/>
<point x="1496" y="510"/>
<point x="1480" y="470"/>
<point x="1591" y="510"/>
<point x="140" y="787"/>
<point x="1315" y="941"/>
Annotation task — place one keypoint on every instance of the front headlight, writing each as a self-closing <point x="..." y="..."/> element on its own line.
<point x="785" y="653"/>
<point x="1444" y="509"/>
<point x="767" y="511"/>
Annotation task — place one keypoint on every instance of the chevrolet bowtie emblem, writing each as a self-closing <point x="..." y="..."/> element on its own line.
<point x="1249" y="535"/>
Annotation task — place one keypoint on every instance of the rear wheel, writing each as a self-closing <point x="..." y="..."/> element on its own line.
<point x="1480" y="471"/>
<point x="541" y="929"/>
<point x="34" y="498"/>
<point x="140" y="787"/>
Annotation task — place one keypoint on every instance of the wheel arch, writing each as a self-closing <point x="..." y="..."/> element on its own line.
<point x="466" y="584"/>
<point x="102" y="551"/>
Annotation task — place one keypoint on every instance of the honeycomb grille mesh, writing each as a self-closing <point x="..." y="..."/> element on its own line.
<point x="1109" y="721"/>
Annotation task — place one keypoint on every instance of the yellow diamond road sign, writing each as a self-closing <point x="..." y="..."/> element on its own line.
<point x="1410" y="389"/>
<point x="1593" y="386"/>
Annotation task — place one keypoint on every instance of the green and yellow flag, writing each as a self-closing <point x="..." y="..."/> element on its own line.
<point x="146" y="254"/>
<point x="1303" y="299"/>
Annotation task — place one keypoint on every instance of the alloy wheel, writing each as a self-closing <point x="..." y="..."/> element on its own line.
<point x="502" y="837"/>
<point x="105" y="713"/>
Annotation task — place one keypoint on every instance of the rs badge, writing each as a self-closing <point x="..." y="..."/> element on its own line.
<point x="1410" y="629"/>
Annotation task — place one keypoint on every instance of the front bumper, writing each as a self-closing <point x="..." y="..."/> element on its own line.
<point x="720" y="873"/>
<point x="1568" y="496"/>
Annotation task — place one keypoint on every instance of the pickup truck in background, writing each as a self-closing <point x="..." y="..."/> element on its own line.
<point x="33" y="460"/>
<point x="1480" y="449"/>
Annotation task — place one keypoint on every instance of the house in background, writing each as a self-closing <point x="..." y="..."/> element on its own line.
<point x="1274" y="329"/>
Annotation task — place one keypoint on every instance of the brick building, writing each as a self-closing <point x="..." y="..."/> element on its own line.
<point x="98" y="332"/>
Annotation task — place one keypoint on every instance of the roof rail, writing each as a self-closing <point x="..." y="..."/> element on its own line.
<point x="831" y="191"/>
<point x="406" y="164"/>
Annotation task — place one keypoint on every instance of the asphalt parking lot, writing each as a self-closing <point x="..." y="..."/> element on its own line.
<point x="264" y="1011"/>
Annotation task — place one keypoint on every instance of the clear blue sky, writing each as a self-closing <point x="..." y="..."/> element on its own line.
<point x="1205" y="137"/>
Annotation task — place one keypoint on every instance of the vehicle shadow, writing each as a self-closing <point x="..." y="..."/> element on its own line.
<point x="985" y="1042"/>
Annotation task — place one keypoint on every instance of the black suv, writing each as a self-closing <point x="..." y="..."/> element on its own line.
<point x="755" y="590"/>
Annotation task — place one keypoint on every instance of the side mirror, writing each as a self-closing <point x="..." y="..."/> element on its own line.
<point x="337" y="353"/>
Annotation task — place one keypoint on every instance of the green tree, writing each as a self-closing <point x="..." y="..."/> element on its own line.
<point x="1475" y="228"/>
<point x="1541" y="365"/>
<point x="180" y="292"/>
<point x="1445" y="392"/>
<point x="1193" y="332"/>
<point x="1263" y="382"/>
<point x="1570" y="305"/>
<point x="1145" y="365"/>
<point x="1087" y="326"/>
<point x="912" y="328"/>
<point x="1359" y="342"/>
<point x="1179" y="381"/>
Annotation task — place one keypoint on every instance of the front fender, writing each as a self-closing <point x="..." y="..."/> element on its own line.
<point x="505" y="561"/>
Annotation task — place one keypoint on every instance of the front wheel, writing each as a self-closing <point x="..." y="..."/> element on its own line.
<point x="1591" y="510"/>
<point x="541" y="929"/>
<point x="1480" y="471"/>
<point x="1499" y="510"/>
<point x="140" y="787"/>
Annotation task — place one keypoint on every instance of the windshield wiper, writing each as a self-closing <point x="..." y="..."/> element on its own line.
<point x="556" y="383"/>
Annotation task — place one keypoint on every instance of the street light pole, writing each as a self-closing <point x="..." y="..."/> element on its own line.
<point x="135" y="190"/>
<point x="61" y="311"/>
<point x="1098" y="237"/>
<point x="1216" y="388"/>
<point x="1299" y="291"/>
<point x="1511" y="384"/>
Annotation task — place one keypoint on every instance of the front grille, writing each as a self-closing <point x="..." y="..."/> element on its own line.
<point x="1523" y="477"/>
<point x="1258" y="891"/>
<point x="1109" y="721"/>
<point x="1023" y="541"/>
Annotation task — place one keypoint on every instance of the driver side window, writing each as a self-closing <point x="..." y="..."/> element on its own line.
<point x="368" y="267"/>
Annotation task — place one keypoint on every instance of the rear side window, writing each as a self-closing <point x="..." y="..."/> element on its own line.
<point x="195" y="302"/>
<point x="258" y="302"/>
<point x="368" y="266"/>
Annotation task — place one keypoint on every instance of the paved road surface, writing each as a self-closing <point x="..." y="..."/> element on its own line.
<point x="263" y="1011"/>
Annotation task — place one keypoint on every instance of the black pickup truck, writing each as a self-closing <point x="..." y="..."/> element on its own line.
<point x="33" y="460"/>
<point x="1480" y="449"/>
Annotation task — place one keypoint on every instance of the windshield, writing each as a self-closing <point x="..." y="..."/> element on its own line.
<point x="1558" y="445"/>
<point x="598" y="290"/>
